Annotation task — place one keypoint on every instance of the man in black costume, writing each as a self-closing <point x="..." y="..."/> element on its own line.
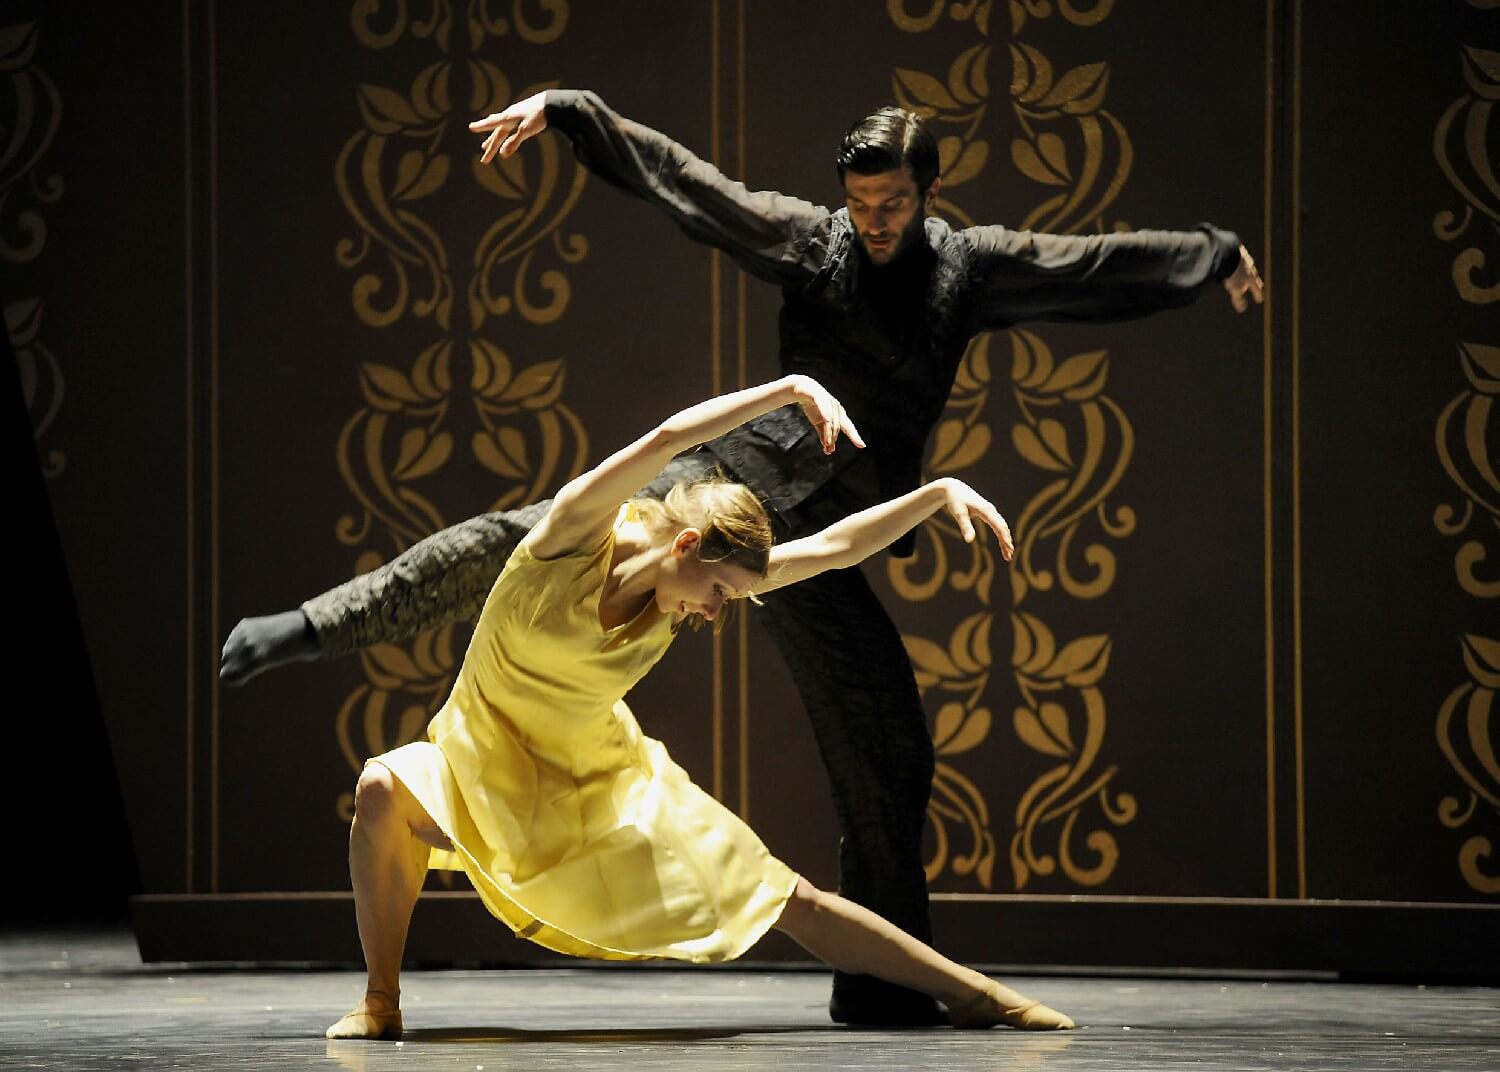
<point x="879" y="303"/>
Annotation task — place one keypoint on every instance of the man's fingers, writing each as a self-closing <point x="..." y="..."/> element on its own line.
<point x="853" y="433"/>
<point x="505" y="134"/>
<point x="491" y="145"/>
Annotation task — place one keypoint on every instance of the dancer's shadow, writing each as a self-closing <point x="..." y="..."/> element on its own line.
<point x="1021" y="1052"/>
<point x="356" y="1055"/>
<point x="585" y="1036"/>
<point x="601" y="1035"/>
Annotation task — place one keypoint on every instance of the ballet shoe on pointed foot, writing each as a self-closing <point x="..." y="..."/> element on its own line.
<point x="362" y="1024"/>
<point x="990" y="1008"/>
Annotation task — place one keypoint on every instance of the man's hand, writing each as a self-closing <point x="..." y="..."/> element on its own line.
<point x="1244" y="284"/>
<point x="964" y="503"/>
<point x="825" y="413"/>
<point x="508" y="129"/>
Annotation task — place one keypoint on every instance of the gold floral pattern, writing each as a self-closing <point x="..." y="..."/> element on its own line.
<point x="462" y="390"/>
<point x="1067" y="428"/>
<point x="1464" y="144"/>
<point x="41" y="376"/>
<point x="1466" y="735"/>
<point x="30" y="115"/>
<point x="1467" y="433"/>
<point x="1468" y="446"/>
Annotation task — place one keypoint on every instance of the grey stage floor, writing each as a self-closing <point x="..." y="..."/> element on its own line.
<point x="84" y="1001"/>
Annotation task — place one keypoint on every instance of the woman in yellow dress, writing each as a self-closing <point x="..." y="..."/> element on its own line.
<point x="576" y="829"/>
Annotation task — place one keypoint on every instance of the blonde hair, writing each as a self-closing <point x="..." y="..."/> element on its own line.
<point x="735" y="526"/>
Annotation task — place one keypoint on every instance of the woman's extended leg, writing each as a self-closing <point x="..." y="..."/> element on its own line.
<point x="854" y="939"/>
<point x="855" y="679"/>
<point x="388" y="847"/>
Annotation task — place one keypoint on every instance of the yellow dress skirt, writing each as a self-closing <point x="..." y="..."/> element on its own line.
<point x="576" y="829"/>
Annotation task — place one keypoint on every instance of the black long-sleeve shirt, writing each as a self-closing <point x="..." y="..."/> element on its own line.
<point x="887" y="340"/>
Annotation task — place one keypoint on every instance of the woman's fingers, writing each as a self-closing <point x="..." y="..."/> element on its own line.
<point x="965" y="525"/>
<point x="849" y="430"/>
<point x="826" y="414"/>
<point x="998" y="526"/>
<point x="969" y="503"/>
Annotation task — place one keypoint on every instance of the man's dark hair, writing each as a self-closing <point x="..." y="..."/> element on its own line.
<point x="888" y="140"/>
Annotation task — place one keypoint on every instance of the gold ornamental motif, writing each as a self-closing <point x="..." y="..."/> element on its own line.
<point x="382" y="171"/>
<point x="462" y="391"/>
<point x="41" y="377"/>
<point x="1466" y="145"/>
<point x="1067" y="428"/>
<point x="1466" y="734"/>
<point x="1071" y="428"/>
<point x="535" y="199"/>
<point x="1468" y="446"/>
<point x="30" y="115"/>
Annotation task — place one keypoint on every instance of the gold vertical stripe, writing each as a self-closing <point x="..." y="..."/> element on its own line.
<point x="188" y="277"/>
<point x="1267" y="471"/>
<point x="715" y="329"/>
<point x="744" y="172"/>
<point x="213" y="438"/>
<point x="1297" y="439"/>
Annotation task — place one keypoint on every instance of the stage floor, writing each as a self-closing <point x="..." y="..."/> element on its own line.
<point x="83" y="1001"/>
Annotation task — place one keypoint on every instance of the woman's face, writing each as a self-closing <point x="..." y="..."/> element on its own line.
<point x="687" y="585"/>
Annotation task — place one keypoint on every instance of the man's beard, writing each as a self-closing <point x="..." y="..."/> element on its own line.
<point x="898" y="245"/>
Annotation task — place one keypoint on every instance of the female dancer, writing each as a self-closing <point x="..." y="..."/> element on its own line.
<point x="578" y="831"/>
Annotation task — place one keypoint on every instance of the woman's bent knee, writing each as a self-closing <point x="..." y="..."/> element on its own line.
<point x="800" y="907"/>
<point x="375" y="792"/>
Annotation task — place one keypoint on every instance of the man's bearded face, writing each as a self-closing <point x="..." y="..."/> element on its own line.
<point x="886" y="210"/>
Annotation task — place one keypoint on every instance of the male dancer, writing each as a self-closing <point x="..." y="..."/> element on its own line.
<point x="879" y="304"/>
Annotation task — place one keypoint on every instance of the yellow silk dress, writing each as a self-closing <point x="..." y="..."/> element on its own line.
<point x="576" y="829"/>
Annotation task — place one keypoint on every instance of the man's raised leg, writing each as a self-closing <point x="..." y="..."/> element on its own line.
<point x="442" y="579"/>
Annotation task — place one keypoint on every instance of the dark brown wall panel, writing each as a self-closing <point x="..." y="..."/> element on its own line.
<point x="111" y="370"/>
<point x="601" y="297"/>
<point x="1399" y="454"/>
<point x="1229" y="663"/>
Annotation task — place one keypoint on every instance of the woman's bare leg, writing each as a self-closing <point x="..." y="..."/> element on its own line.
<point x="388" y="848"/>
<point x="855" y="940"/>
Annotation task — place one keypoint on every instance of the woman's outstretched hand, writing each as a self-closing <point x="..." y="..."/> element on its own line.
<point x="825" y="413"/>
<point x="508" y="129"/>
<point x="964" y="503"/>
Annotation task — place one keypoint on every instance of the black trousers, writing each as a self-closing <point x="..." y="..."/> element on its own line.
<point x="843" y="651"/>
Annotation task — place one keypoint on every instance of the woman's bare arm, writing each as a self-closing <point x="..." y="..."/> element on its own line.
<point x="586" y="505"/>
<point x="858" y="536"/>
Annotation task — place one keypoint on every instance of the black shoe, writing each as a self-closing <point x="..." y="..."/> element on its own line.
<point x="863" y="1001"/>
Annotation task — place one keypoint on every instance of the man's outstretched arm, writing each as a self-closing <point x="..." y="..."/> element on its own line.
<point x="1101" y="277"/>
<point x="775" y="237"/>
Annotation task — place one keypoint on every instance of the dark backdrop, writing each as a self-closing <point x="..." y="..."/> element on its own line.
<point x="272" y="325"/>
